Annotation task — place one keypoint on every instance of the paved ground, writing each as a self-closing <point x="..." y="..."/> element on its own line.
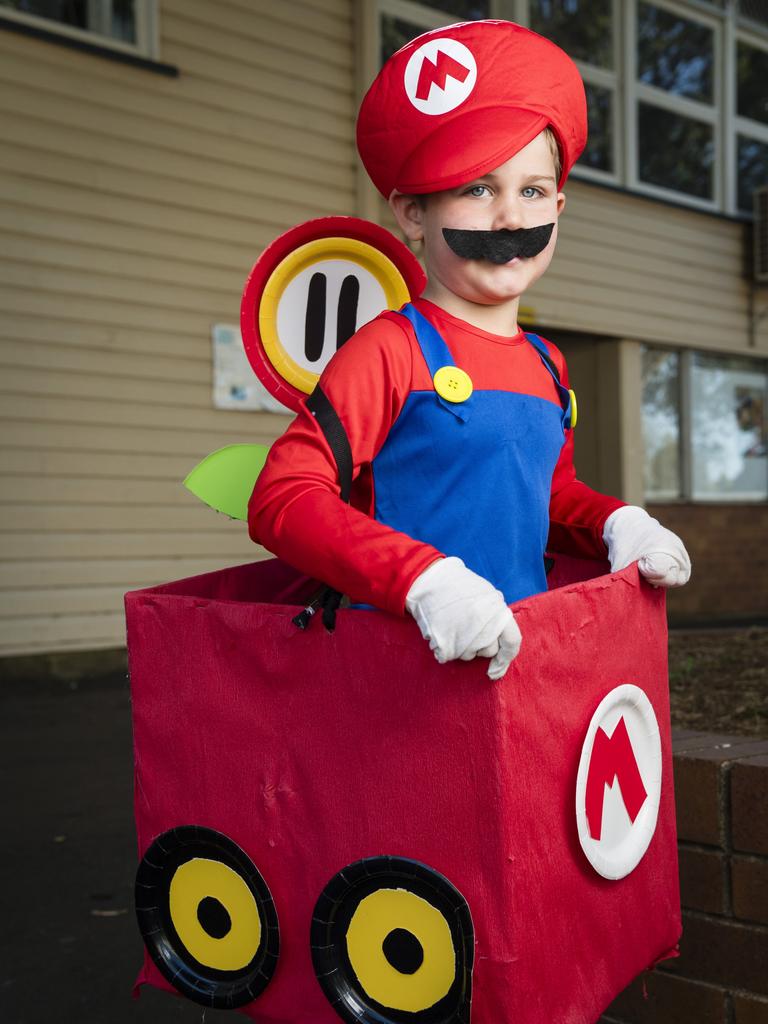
<point x="69" y="946"/>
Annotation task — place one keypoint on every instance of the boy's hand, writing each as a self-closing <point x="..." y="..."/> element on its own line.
<point x="462" y="616"/>
<point x="632" y="535"/>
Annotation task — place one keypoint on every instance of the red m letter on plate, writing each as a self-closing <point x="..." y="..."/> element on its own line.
<point x="612" y="758"/>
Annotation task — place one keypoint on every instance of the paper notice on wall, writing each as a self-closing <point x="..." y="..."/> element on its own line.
<point x="235" y="385"/>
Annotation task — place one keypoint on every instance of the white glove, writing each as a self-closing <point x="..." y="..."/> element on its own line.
<point x="632" y="535"/>
<point x="462" y="615"/>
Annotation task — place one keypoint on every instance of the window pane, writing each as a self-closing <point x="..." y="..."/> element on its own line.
<point x="123" y="21"/>
<point x="467" y="10"/>
<point x="68" y="12"/>
<point x="582" y="27"/>
<point x="752" y="169"/>
<point x="752" y="82"/>
<point x="757" y="10"/>
<point x="728" y="406"/>
<point x="675" y="151"/>
<point x="674" y="53"/>
<point x="599" y="148"/>
<point x="661" y="424"/>
<point x="395" y="34"/>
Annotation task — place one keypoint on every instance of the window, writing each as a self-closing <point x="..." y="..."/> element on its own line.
<point x="751" y="72"/>
<point x="126" y="25"/>
<point x="704" y="427"/>
<point x="586" y="29"/>
<point x="676" y="83"/>
<point x="676" y="93"/>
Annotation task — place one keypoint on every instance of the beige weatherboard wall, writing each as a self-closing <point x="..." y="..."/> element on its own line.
<point x="132" y="207"/>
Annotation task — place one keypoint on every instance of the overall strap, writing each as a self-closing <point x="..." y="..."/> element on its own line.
<point x="436" y="354"/>
<point x="566" y="399"/>
<point x="333" y="430"/>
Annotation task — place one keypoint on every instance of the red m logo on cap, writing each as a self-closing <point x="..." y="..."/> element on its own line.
<point x="436" y="72"/>
<point x="612" y="758"/>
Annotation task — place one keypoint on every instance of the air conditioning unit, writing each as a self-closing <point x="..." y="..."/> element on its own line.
<point x="760" y="265"/>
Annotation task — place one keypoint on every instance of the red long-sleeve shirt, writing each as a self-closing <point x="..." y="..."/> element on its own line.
<point x="296" y="512"/>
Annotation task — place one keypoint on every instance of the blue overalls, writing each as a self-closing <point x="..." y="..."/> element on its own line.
<point x="473" y="478"/>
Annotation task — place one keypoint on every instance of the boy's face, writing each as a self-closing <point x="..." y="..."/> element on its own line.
<point x="520" y="193"/>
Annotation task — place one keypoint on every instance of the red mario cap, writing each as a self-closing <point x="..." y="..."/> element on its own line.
<point x="456" y="102"/>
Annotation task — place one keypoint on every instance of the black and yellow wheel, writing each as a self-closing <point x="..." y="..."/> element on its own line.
<point x="392" y="942"/>
<point x="207" y="917"/>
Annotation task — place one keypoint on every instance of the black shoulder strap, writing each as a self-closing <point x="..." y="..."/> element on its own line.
<point x="328" y="420"/>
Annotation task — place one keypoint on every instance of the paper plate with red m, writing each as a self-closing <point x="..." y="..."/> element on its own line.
<point x="618" y="786"/>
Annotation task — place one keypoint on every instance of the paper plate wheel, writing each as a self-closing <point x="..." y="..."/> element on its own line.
<point x="207" y="917"/>
<point x="392" y="942"/>
<point x="311" y="289"/>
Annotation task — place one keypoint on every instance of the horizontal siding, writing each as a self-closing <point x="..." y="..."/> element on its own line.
<point x="132" y="207"/>
<point x="635" y="268"/>
<point x="106" y="572"/>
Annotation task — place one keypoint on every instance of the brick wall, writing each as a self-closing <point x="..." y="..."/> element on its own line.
<point x="721" y="976"/>
<point x="728" y="548"/>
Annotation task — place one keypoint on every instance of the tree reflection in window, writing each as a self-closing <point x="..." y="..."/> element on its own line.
<point x="674" y="53"/>
<point x="752" y="82"/>
<point x="661" y="423"/>
<point x="466" y="10"/>
<point x="675" y="152"/>
<point x="67" y="12"/>
<point x="752" y="169"/>
<point x="395" y="33"/>
<point x="728" y="402"/>
<point x="598" y="152"/>
<point x="582" y="27"/>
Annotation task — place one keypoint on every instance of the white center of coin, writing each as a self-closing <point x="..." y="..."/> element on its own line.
<point x="440" y="75"/>
<point x="322" y="306"/>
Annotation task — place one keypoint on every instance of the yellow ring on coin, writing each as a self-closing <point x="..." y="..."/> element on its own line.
<point x="192" y="882"/>
<point x="574" y="408"/>
<point x="374" y="918"/>
<point x="453" y="384"/>
<point x="365" y="256"/>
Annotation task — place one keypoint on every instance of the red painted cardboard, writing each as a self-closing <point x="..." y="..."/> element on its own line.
<point x="312" y="750"/>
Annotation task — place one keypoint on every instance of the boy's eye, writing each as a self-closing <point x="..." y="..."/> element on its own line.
<point x="478" y="191"/>
<point x="531" y="192"/>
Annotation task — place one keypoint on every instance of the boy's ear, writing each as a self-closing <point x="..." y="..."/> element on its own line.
<point x="409" y="214"/>
<point x="560" y="202"/>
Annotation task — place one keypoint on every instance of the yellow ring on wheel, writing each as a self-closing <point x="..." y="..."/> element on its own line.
<point x="348" y="249"/>
<point x="192" y="882"/>
<point x="374" y="918"/>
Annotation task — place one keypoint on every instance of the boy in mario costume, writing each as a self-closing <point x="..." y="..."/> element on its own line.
<point x="460" y="426"/>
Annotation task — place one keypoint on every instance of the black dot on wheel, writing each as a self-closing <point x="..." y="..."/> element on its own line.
<point x="213" y="917"/>
<point x="403" y="951"/>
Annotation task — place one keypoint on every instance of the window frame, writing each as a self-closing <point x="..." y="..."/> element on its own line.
<point x="147" y="43"/>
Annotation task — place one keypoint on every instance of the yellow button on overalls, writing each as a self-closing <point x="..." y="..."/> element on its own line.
<point x="452" y="384"/>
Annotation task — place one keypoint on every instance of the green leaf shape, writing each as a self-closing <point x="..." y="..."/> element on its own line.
<point x="225" y="478"/>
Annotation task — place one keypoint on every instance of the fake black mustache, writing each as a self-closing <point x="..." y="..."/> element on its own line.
<point x="498" y="246"/>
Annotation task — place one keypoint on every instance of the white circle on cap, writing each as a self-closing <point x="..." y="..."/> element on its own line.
<point x="618" y="786"/>
<point x="440" y="75"/>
